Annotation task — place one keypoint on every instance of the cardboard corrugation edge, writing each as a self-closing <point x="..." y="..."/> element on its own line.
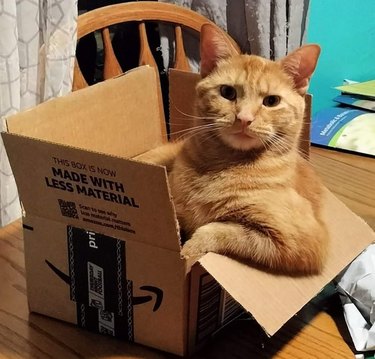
<point x="304" y="143"/>
<point x="178" y="227"/>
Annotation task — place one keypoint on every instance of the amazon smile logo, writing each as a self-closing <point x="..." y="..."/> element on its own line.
<point x="157" y="292"/>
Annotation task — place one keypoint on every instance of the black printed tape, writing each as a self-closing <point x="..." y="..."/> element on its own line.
<point x="98" y="283"/>
<point x="105" y="322"/>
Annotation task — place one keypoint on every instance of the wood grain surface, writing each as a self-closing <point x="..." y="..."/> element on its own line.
<point x="318" y="331"/>
<point x="351" y="178"/>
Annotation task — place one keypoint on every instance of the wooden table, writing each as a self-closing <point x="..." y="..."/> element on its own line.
<point x="318" y="331"/>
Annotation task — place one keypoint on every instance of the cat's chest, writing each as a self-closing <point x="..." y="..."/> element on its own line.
<point x="205" y="194"/>
<point x="203" y="197"/>
<point x="217" y="186"/>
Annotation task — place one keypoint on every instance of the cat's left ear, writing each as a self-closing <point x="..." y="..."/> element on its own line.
<point x="300" y="65"/>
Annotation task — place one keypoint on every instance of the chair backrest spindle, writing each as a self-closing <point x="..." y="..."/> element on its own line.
<point x="79" y="81"/>
<point x="145" y="55"/>
<point x="181" y="61"/>
<point x="111" y="66"/>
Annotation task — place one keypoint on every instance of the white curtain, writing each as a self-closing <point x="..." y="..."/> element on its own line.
<point x="37" y="47"/>
<point x="269" y="28"/>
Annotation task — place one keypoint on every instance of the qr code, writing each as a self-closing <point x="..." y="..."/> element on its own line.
<point x="68" y="209"/>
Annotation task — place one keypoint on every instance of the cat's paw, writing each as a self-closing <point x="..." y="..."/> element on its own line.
<point x="193" y="249"/>
<point x="200" y="243"/>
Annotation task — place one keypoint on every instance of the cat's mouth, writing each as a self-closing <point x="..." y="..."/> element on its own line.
<point x="243" y="139"/>
<point x="244" y="134"/>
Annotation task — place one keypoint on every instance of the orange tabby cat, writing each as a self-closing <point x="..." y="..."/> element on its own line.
<point x="239" y="185"/>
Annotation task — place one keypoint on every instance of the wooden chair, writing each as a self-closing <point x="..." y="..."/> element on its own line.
<point x="140" y="12"/>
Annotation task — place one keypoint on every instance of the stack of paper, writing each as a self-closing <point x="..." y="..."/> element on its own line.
<point x="351" y="126"/>
<point x="361" y="94"/>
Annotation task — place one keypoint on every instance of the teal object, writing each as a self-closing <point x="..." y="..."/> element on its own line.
<point x="345" y="29"/>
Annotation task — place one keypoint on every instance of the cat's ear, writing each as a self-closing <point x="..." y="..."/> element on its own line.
<point x="214" y="45"/>
<point x="300" y="65"/>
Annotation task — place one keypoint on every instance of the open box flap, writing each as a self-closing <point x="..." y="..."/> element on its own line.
<point x="274" y="299"/>
<point x="118" y="116"/>
<point x="114" y="196"/>
<point x="181" y="101"/>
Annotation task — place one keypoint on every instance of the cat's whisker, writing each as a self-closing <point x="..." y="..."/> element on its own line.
<point x="279" y="143"/>
<point x="199" y="127"/>
<point x="194" y="116"/>
<point x="282" y="142"/>
<point x="206" y="129"/>
<point x="263" y="143"/>
<point x="181" y="124"/>
<point x="222" y="121"/>
<point x="217" y="121"/>
<point x="209" y="137"/>
<point x="184" y="119"/>
<point x="276" y="146"/>
<point x="183" y="113"/>
<point x="190" y="128"/>
<point x="187" y="138"/>
<point x="192" y="119"/>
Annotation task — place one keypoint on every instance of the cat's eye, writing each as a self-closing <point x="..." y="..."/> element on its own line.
<point x="271" y="101"/>
<point x="228" y="92"/>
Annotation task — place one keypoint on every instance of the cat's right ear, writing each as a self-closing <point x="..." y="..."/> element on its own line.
<point x="214" y="45"/>
<point x="300" y="65"/>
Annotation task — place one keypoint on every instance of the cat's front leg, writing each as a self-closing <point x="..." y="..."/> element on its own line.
<point x="289" y="251"/>
<point x="215" y="237"/>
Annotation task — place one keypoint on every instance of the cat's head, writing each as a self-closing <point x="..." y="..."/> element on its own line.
<point x="252" y="102"/>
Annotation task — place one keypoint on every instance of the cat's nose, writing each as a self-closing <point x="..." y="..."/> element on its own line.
<point x="245" y="118"/>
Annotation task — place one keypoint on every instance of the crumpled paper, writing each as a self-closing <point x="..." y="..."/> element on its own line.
<point x="356" y="286"/>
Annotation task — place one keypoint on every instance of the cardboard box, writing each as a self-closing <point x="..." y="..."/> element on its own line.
<point x="102" y="245"/>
